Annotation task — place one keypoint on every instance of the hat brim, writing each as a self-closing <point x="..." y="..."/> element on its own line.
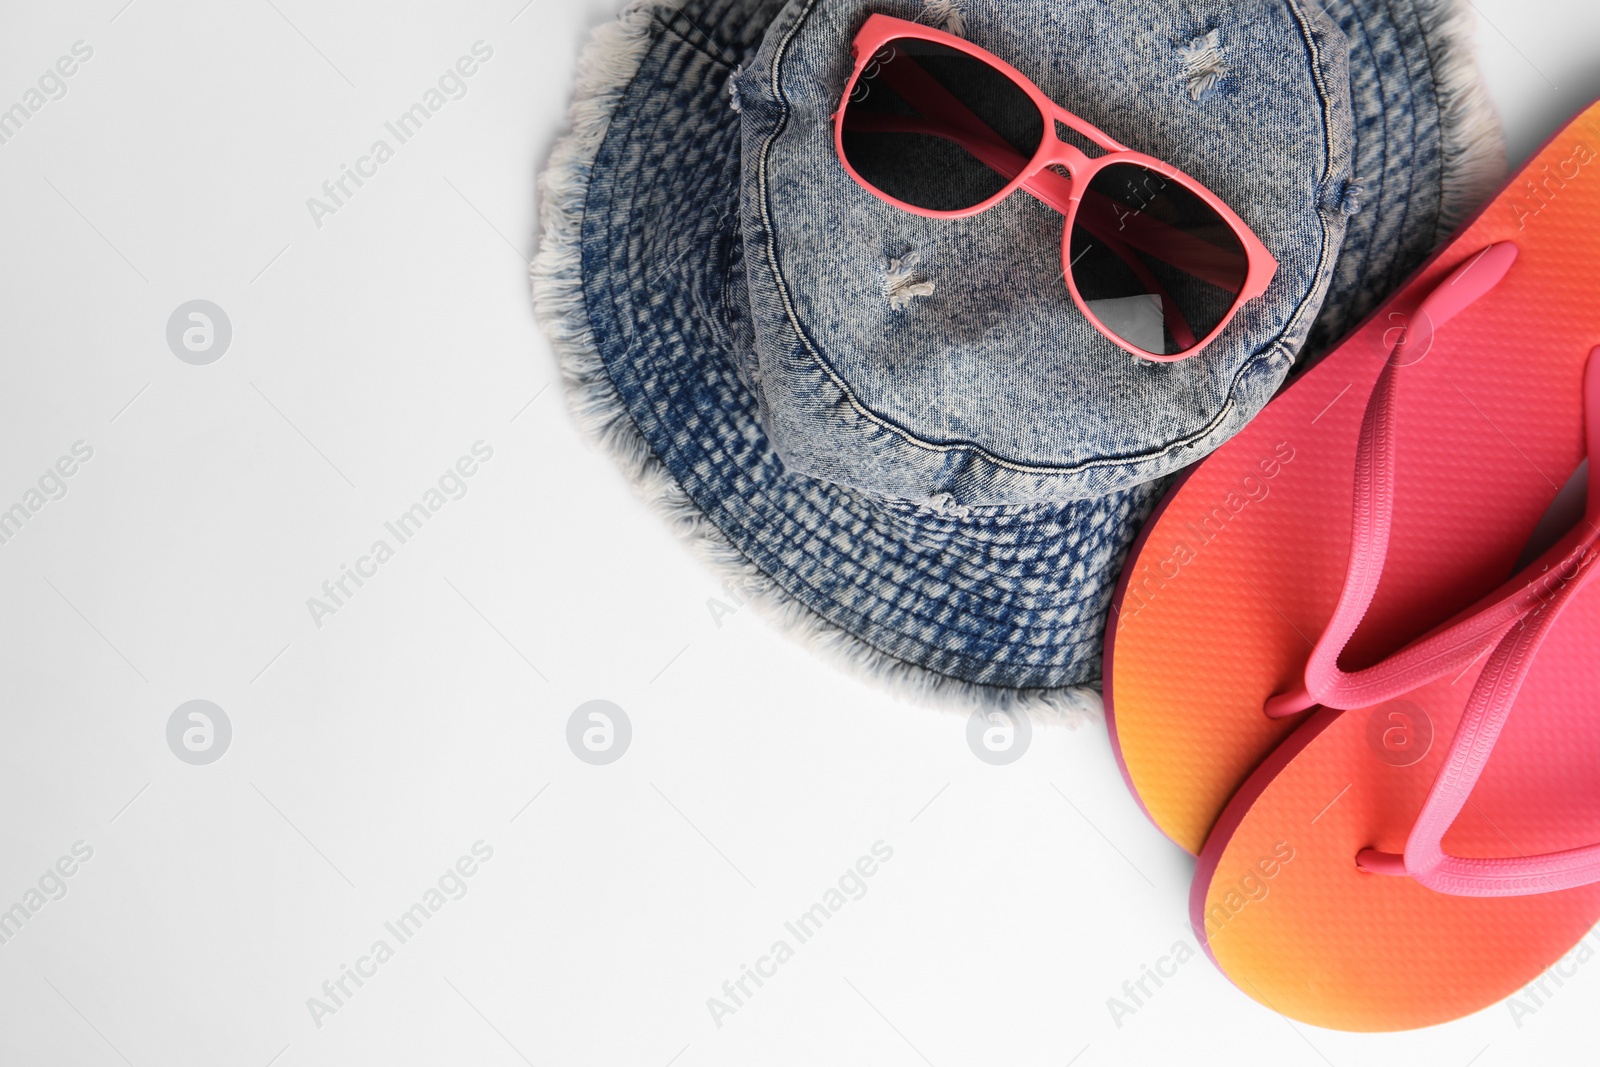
<point x="1429" y="150"/>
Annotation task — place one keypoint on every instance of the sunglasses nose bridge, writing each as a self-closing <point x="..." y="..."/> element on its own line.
<point x="1056" y="151"/>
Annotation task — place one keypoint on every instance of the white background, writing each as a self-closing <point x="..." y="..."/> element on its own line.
<point x="372" y="752"/>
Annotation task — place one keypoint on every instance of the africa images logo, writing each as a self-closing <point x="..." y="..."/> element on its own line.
<point x="52" y="85"/>
<point x="52" y="485"/>
<point x="851" y="885"/>
<point x="1538" y="194"/>
<point x="199" y="332"/>
<point x="1252" y="488"/>
<point x="52" y="885"/>
<point x="599" y="732"/>
<point x="452" y="485"/>
<point x="452" y="884"/>
<point x="451" y="85"/>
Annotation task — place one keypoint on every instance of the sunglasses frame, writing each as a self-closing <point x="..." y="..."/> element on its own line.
<point x="1062" y="194"/>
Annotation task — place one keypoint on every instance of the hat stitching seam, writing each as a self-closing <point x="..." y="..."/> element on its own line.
<point x="973" y="585"/>
<point x="1371" y="247"/>
<point x="668" y="27"/>
<point x="1128" y="462"/>
<point x="882" y="421"/>
<point x="1438" y="92"/>
<point x="1411" y="113"/>
<point x="1387" y="267"/>
<point x="1327" y="258"/>
<point x="872" y="416"/>
<point x="971" y="578"/>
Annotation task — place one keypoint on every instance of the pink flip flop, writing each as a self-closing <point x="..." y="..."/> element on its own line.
<point x="1372" y="875"/>
<point x="1251" y="597"/>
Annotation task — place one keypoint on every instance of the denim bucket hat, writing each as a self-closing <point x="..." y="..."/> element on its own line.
<point x="899" y="433"/>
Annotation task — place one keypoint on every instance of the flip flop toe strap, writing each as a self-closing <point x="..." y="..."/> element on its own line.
<point x="1487" y="710"/>
<point x="1456" y="645"/>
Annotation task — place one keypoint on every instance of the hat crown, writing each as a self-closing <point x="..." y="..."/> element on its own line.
<point x="945" y="359"/>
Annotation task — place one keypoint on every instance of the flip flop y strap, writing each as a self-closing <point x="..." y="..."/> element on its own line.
<point x="1459" y="642"/>
<point x="1488" y="707"/>
<point x="1487" y="710"/>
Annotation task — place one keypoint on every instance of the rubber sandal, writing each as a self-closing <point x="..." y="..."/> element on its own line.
<point x="1242" y="598"/>
<point x="1373" y="875"/>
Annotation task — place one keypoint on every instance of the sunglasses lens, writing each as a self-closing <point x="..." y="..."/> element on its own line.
<point x="936" y="128"/>
<point x="1156" y="264"/>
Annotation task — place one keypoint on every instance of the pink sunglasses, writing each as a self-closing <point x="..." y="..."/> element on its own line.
<point x="941" y="128"/>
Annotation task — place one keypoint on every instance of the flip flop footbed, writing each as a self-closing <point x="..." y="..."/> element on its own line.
<point x="1309" y="935"/>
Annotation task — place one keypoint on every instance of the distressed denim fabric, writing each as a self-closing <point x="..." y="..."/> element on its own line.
<point x="903" y="429"/>
<point x="1428" y="149"/>
<point x="994" y="388"/>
